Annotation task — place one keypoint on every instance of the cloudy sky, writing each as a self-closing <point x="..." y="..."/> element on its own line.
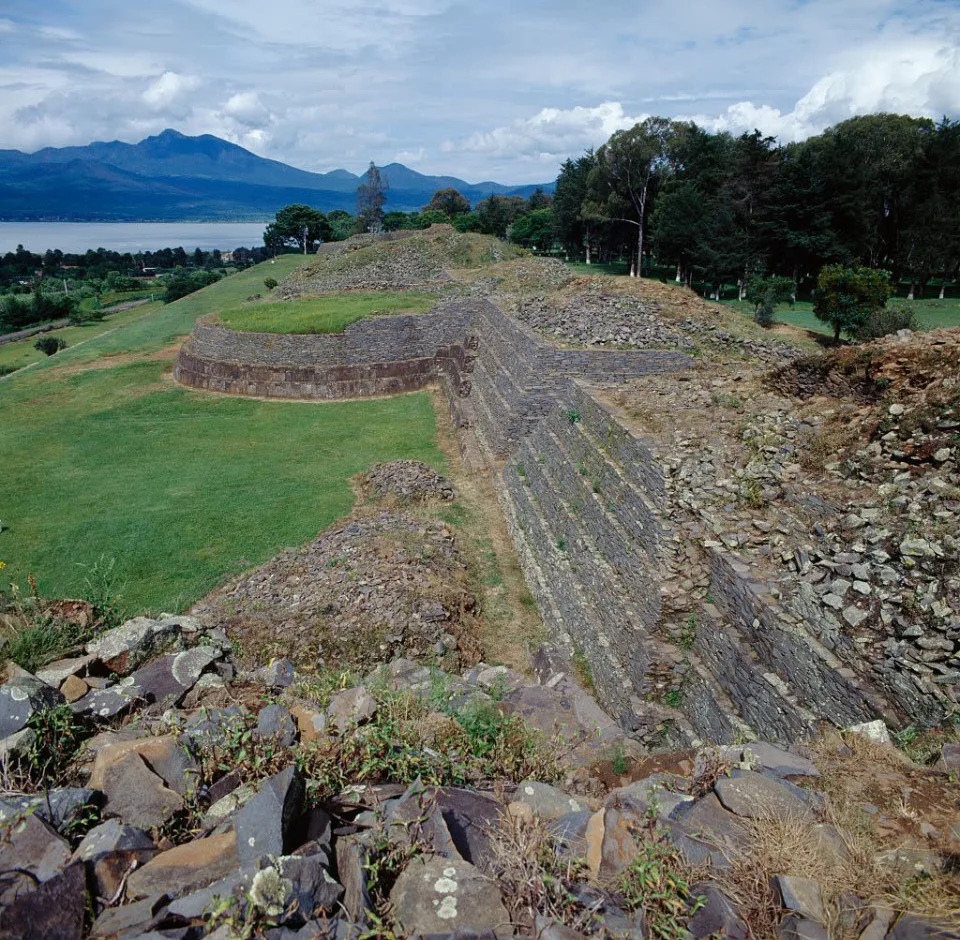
<point x="493" y="90"/>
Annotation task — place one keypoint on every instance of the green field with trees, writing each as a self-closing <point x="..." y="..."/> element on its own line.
<point x="105" y="458"/>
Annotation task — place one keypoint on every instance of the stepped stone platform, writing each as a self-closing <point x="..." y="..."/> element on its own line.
<point x="586" y="502"/>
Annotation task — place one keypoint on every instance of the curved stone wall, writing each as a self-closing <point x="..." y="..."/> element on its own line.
<point x="376" y="356"/>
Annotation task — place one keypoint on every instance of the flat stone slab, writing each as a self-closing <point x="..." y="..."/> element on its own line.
<point x="263" y="824"/>
<point x="55" y="909"/>
<point x="111" y="836"/>
<point x="30" y="844"/>
<point x="137" y="795"/>
<point x="186" y="867"/>
<point x="755" y="796"/>
<point x="546" y="801"/>
<point x="780" y="762"/>
<point x="133" y="643"/>
<point x="21" y="698"/>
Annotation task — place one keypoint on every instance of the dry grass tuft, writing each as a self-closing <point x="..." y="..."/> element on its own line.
<point x="534" y="879"/>
<point x="843" y="853"/>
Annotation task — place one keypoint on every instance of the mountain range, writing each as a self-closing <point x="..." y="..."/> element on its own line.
<point x="173" y="177"/>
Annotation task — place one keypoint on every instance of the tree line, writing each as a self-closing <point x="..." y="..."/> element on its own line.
<point x="39" y="288"/>
<point x="21" y="270"/>
<point x="528" y="222"/>
<point x="880" y="191"/>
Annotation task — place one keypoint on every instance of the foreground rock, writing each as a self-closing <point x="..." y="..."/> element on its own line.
<point x="438" y="896"/>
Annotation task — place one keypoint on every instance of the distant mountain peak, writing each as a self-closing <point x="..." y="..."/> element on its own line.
<point x="175" y="175"/>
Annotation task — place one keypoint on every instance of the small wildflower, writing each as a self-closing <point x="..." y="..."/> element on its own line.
<point x="3" y="565"/>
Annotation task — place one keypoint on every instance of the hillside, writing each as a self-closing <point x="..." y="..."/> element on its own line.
<point x="171" y="176"/>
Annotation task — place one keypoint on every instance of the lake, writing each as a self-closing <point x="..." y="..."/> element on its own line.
<point x="129" y="236"/>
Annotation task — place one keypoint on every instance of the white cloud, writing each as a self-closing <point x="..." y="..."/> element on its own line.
<point x="921" y="78"/>
<point x="246" y="107"/>
<point x="550" y="132"/>
<point x="167" y="89"/>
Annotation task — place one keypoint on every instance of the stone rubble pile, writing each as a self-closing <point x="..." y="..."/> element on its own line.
<point x="162" y="841"/>
<point x="850" y="510"/>
<point x="374" y="587"/>
<point x="592" y="317"/>
<point x="406" y="481"/>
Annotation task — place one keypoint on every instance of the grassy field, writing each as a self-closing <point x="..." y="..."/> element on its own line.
<point x="930" y="314"/>
<point x="22" y="353"/>
<point x="328" y="314"/>
<point x="104" y="456"/>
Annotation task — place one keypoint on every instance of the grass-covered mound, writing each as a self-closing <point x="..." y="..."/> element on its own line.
<point x="324" y="314"/>
<point x="418" y="260"/>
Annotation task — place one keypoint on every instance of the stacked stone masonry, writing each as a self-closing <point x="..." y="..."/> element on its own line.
<point x="585" y="501"/>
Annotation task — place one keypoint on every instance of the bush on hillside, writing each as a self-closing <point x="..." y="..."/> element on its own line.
<point x="846" y="298"/>
<point x="49" y="345"/>
<point x="186" y="282"/>
<point x="885" y="321"/>
<point x="766" y="294"/>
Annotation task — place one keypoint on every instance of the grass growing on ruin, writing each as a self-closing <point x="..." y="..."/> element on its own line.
<point x="331" y="313"/>
<point x="104" y="456"/>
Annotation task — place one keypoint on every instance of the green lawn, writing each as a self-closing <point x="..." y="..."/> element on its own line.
<point x="930" y="314"/>
<point x="104" y="456"/>
<point x="618" y="268"/>
<point x="328" y="314"/>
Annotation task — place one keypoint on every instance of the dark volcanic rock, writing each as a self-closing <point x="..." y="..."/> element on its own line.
<point x="436" y="896"/>
<point x="137" y="795"/>
<point x="264" y="825"/>
<point x="21" y="698"/>
<point x="30" y="845"/>
<point x="55" y="909"/>
<point x="275" y="722"/>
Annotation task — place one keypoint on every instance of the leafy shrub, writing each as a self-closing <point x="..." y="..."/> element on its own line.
<point x="59" y="734"/>
<point x="270" y="283"/>
<point x="49" y="345"/>
<point x="80" y="315"/>
<point x="847" y="297"/>
<point x="885" y="321"/>
<point x="766" y="293"/>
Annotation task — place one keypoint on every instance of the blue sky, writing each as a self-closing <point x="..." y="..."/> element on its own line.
<point x="494" y="90"/>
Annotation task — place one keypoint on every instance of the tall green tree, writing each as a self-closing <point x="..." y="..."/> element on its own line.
<point x="622" y="183"/>
<point x="297" y="224"/>
<point x="568" y="199"/>
<point x="533" y="230"/>
<point x="498" y="213"/>
<point x="847" y="296"/>
<point x="371" y="198"/>
<point x="449" y="201"/>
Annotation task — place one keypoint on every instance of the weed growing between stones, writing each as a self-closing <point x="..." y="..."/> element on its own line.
<point x="405" y="741"/>
<point x="48" y="760"/>
<point x="657" y="884"/>
<point x="39" y="631"/>
<point x="408" y="738"/>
